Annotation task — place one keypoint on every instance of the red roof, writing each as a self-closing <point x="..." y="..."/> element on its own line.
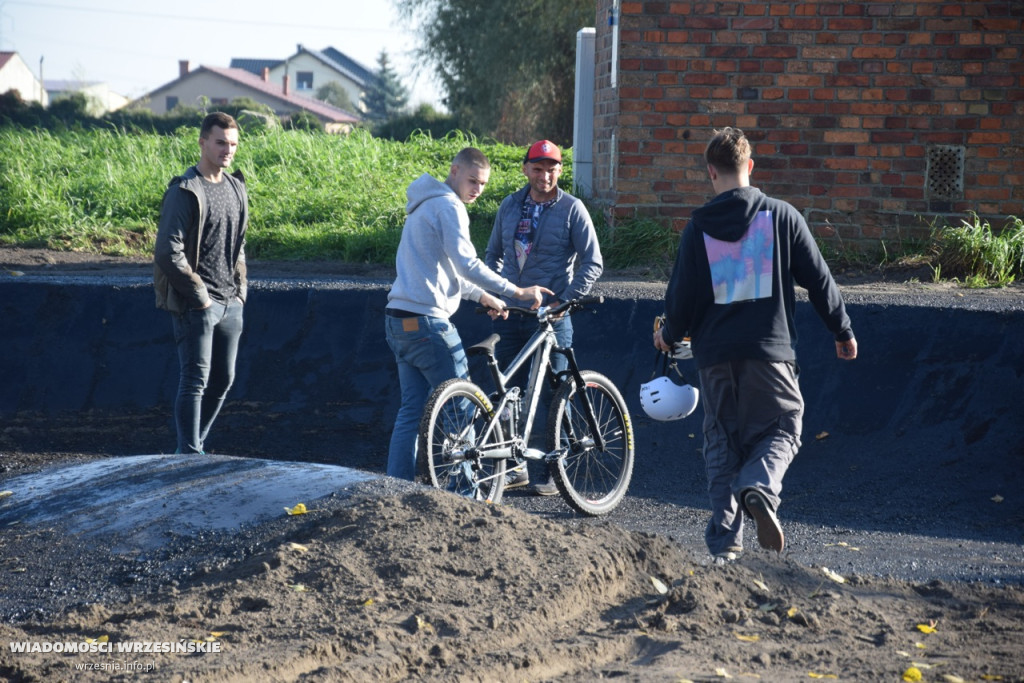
<point x="275" y="90"/>
<point x="321" y="109"/>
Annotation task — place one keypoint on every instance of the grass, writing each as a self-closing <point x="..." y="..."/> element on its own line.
<point x="311" y="196"/>
<point x="328" y="197"/>
<point x="979" y="256"/>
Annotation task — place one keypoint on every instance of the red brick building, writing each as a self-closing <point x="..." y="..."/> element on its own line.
<point x="873" y="118"/>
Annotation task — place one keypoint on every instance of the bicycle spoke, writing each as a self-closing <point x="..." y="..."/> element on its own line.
<point x="592" y="479"/>
<point x="453" y="434"/>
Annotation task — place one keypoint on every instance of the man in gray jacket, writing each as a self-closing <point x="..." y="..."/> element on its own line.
<point x="199" y="277"/>
<point x="437" y="266"/>
<point x="544" y="235"/>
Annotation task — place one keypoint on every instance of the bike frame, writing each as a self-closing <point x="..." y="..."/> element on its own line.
<point x="538" y="350"/>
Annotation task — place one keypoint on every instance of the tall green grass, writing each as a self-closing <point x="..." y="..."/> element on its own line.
<point x="315" y="196"/>
<point x="980" y="256"/>
<point x="311" y="196"/>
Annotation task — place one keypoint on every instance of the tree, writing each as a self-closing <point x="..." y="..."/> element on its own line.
<point x="386" y="97"/>
<point x="508" y="68"/>
<point x="334" y="94"/>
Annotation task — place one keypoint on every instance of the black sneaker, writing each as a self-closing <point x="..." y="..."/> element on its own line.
<point x="769" y="533"/>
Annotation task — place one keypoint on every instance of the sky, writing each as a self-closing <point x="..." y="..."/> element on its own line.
<point x="136" y="46"/>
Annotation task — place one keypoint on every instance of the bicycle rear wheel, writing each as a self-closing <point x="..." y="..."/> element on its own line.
<point x="451" y="434"/>
<point x="593" y="481"/>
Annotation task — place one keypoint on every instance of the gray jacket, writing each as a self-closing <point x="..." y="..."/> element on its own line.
<point x="436" y="261"/>
<point x="182" y="216"/>
<point x="565" y="241"/>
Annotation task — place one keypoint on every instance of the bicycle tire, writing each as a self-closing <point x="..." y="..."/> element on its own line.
<point x="456" y="412"/>
<point x="593" y="482"/>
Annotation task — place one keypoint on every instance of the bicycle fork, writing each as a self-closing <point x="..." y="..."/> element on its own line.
<point x="581" y="386"/>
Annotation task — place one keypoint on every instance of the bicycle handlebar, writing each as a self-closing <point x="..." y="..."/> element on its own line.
<point x="546" y="311"/>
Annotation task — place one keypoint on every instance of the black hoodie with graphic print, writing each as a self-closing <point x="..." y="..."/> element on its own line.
<point x="732" y="287"/>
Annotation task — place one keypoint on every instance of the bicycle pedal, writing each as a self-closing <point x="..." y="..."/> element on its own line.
<point x="534" y="453"/>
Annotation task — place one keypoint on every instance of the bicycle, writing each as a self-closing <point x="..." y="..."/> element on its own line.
<point x="468" y="437"/>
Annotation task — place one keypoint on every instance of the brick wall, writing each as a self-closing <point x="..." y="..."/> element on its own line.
<point x="872" y="118"/>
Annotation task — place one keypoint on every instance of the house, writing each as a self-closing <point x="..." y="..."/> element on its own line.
<point x="101" y="99"/>
<point x="309" y="70"/>
<point x="15" y="75"/>
<point x="219" y="85"/>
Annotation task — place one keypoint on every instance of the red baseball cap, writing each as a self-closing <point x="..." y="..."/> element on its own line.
<point x="543" y="149"/>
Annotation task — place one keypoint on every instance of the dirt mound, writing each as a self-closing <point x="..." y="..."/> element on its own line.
<point x="426" y="585"/>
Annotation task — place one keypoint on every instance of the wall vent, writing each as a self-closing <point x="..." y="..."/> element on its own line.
<point x="945" y="172"/>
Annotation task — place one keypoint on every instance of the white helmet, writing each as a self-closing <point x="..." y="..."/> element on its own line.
<point x="663" y="399"/>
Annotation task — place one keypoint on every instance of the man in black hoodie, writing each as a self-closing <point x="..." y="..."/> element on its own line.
<point x="732" y="293"/>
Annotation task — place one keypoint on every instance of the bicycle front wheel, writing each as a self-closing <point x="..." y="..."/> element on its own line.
<point x="452" y="434"/>
<point x="592" y="480"/>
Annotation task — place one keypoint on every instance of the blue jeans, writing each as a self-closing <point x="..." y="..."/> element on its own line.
<point x="428" y="351"/>
<point x="207" y="342"/>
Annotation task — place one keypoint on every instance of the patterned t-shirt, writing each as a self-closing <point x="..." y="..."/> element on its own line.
<point x="220" y="236"/>
<point x="526" y="230"/>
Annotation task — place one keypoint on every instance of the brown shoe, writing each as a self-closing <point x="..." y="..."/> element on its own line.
<point x="769" y="533"/>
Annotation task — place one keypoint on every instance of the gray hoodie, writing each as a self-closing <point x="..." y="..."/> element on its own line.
<point x="436" y="262"/>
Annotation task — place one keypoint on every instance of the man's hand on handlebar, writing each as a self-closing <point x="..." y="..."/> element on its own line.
<point x="495" y="306"/>
<point x="534" y="294"/>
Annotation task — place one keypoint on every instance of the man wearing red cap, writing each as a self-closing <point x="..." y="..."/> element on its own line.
<point x="545" y="236"/>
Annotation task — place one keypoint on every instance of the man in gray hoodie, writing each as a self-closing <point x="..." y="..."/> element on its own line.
<point x="437" y="267"/>
<point x="732" y="293"/>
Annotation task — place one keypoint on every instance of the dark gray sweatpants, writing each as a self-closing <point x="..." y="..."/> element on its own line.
<point x="753" y="416"/>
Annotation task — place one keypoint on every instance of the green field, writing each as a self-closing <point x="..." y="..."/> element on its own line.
<point x="316" y="196"/>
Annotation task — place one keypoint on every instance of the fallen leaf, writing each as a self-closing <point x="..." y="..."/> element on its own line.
<point x="922" y="666"/>
<point x="821" y="435"/>
<point x="299" y="588"/>
<point x="791" y="612"/>
<point x="920" y="646"/>
<point x="5" y="494"/>
<point x="767" y="607"/>
<point x="101" y="639"/>
<point x="842" y="544"/>
<point x="299" y="509"/>
<point x="423" y="625"/>
<point x="950" y="678"/>
<point x="658" y="585"/>
<point x="991" y="677"/>
<point x="217" y="634"/>
<point x="817" y="675"/>
<point x="913" y="674"/>
<point x="832" y="575"/>
<point x="750" y="639"/>
<point x="298" y="547"/>
<point x="926" y="628"/>
<point x="722" y="673"/>
<point x="762" y="585"/>
<point x="995" y="499"/>
<point x="15" y="273"/>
